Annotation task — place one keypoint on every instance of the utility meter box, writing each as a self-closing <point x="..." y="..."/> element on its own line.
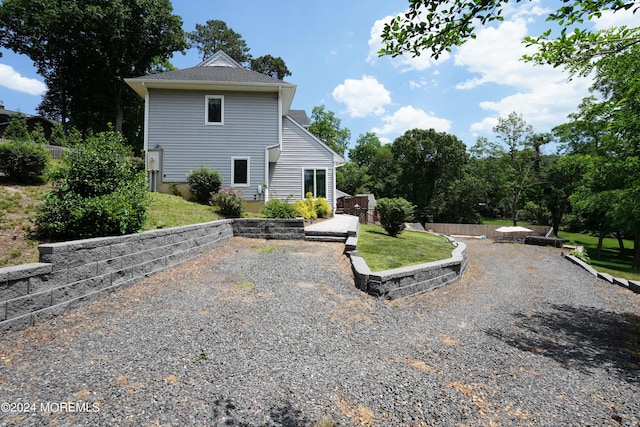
<point x="154" y="159"/>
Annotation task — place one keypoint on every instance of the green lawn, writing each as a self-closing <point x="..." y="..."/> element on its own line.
<point x="609" y="262"/>
<point x="168" y="211"/>
<point x="382" y="252"/>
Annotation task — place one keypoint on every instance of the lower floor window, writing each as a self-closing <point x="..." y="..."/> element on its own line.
<point x="315" y="182"/>
<point x="240" y="171"/>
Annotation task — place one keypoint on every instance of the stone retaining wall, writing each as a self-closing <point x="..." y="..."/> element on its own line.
<point x="407" y="281"/>
<point x="71" y="273"/>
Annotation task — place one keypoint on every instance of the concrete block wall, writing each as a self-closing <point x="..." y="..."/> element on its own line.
<point x="413" y="280"/>
<point x="264" y="228"/>
<point x="72" y="273"/>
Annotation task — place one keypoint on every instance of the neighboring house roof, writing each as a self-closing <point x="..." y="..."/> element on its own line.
<point x="219" y="72"/>
<point x="300" y="116"/>
<point x="5" y="118"/>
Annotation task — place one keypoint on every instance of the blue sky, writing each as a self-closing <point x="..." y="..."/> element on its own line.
<point x="330" y="47"/>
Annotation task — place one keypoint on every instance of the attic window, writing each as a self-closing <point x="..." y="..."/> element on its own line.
<point x="214" y="108"/>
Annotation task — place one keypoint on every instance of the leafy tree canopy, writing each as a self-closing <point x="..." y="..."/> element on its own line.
<point x="216" y="36"/>
<point x="326" y="126"/>
<point x="436" y="26"/>
<point x="274" y="67"/>
<point x="85" y="50"/>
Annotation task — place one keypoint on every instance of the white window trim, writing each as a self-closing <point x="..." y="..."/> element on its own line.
<point x="206" y="110"/>
<point x="326" y="182"/>
<point x="233" y="174"/>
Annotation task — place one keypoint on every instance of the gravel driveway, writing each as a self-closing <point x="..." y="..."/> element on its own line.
<point x="274" y="333"/>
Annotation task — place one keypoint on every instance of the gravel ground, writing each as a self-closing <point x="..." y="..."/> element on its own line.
<point x="274" y="333"/>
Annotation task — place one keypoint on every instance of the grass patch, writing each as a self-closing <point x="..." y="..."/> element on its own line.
<point x="610" y="260"/>
<point x="167" y="211"/>
<point x="383" y="252"/>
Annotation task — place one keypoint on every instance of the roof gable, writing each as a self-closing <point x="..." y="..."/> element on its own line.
<point x="219" y="72"/>
<point x="220" y="59"/>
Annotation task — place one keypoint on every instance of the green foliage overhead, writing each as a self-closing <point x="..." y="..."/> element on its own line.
<point x="85" y="50"/>
<point x="437" y="26"/>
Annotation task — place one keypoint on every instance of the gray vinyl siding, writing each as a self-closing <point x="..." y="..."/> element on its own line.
<point x="177" y="124"/>
<point x="299" y="151"/>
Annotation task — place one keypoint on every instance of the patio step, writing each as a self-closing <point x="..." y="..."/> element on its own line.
<point x="325" y="236"/>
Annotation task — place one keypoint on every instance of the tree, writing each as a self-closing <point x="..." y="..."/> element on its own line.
<point x="270" y="66"/>
<point x="215" y="36"/>
<point x="519" y="166"/>
<point x="384" y="172"/>
<point x="326" y="126"/>
<point x="437" y="26"/>
<point x="17" y="129"/>
<point x="85" y="50"/>
<point x="428" y="162"/>
<point x="365" y="150"/>
<point x="607" y="194"/>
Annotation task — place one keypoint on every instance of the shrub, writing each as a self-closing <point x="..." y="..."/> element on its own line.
<point x="230" y="202"/>
<point x="97" y="193"/>
<point x="305" y="208"/>
<point x="276" y="208"/>
<point x="203" y="182"/>
<point x="17" y="129"/>
<point x="394" y="213"/>
<point x="322" y="207"/>
<point x="581" y="255"/>
<point x="23" y="161"/>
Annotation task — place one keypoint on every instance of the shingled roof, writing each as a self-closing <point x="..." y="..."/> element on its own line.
<point x="219" y="72"/>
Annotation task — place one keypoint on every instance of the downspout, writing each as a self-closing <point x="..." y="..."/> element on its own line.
<point x="153" y="176"/>
<point x="279" y="145"/>
<point x="280" y="117"/>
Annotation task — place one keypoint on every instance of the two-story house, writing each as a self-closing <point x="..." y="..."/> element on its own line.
<point x="238" y="122"/>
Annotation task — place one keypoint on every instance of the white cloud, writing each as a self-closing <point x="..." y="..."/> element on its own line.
<point x="362" y="97"/>
<point x="11" y="79"/>
<point x="409" y="117"/>
<point x="405" y="62"/>
<point x="543" y="95"/>
<point x="609" y="19"/>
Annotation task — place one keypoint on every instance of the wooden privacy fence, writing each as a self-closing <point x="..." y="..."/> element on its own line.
<point x="477" y="229"/>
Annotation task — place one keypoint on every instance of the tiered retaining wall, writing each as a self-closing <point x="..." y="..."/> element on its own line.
<point x="71" y="273"/>
<point x="413" y="280"/>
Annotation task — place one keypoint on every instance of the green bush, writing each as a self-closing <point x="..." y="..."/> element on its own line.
<point x="230" y="203"/>
<point x="305" y="208"/>
<point x="23" y="161"/>
<point x="97" y="192"/>
<point x="276" y="208"/>
<point x="394" y="213"/>
<point x="322" y="207"/>
<point x="203" y="182"/>
<point x="581" y="255"/>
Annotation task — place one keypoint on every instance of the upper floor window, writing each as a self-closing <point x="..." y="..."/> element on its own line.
<point x="214" y="107"/>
